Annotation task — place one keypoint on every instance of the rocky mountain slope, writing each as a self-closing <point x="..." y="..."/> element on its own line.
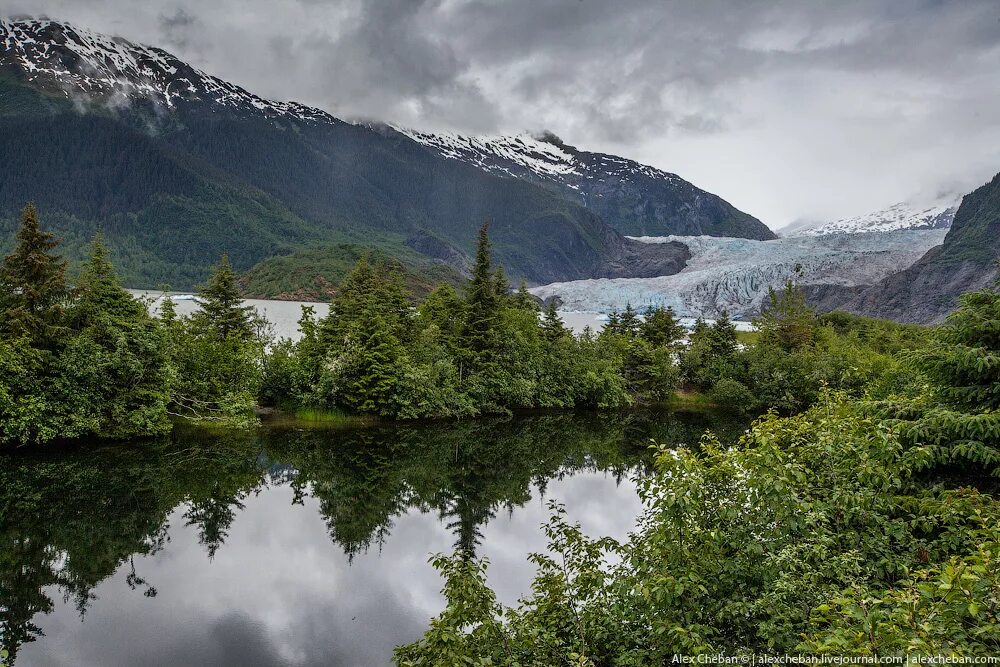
<point x="734" y="274"/>
<point x="929" y="289"/>
<point x="176" y="166"/>
<point x="634" y="198"/>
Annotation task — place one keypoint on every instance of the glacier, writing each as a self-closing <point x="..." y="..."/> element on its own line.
<point x="735" y="274"/>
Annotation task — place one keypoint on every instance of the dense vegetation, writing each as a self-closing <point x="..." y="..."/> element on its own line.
<point x="316" y="273"/>
<point x="857" y="527"/>
<point x="862" y="523"/>
<point x="381" y="352"/>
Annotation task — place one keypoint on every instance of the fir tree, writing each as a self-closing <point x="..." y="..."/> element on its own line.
<point x="522" y="299"/>
<point x="222" y="309"/>
<point x="630" y="323"/>
<point x="722" y="338"/>
<point x="787" y="321"/>
<point x="552" y="325"/>
<point x="661" y="328"/>
<point x="33" y="285"/>
<point x="482" y="306"/>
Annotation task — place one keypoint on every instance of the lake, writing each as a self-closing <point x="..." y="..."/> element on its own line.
<point x="296" y="545"/>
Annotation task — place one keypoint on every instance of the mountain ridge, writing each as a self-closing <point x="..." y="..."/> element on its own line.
<point x="617" y="188"/>
<point x="281" y="171"/>
<point x="927" y="291"/>
<point x="902" y="215"/>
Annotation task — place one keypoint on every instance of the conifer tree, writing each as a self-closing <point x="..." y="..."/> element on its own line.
<point x="723" y="339"/>
<point x="787" y="321"/>
<point x="552" y="325"/>
<point x="222" y="309"/>
<point x="98" y="292"/>
<point x="964" y="365"/>
<point x="501" y="285"/>
<point x="113" y="371"/>
<point x="482" y="306"/>
<point x="522" y="299"/>
<point x="33" y="284"/>
<point x="661" y="328"/>
<point x="629" y="324"/>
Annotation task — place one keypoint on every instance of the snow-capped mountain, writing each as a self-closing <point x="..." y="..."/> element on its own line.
<point x="735" y="274"/>
<point x="177" y="166"/>
<point x="88" y="66"/>
<point x="635" y="198"/>
<point x="896" y="217"/>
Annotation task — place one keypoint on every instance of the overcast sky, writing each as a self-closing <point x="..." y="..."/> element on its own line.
<point x="790" y="110"/>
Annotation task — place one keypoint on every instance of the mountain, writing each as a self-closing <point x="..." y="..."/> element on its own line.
<point x="634" y="198"/>
<point x="898" y="216"/>
<point x="929" y="289"/>
<point x="734" y="275"/>
<point x="176" y="166"/>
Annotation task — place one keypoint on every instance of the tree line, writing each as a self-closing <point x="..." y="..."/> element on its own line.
<point x="90" y="360"/>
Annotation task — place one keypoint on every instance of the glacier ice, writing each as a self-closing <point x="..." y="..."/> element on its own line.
<point x="734" y="274"/>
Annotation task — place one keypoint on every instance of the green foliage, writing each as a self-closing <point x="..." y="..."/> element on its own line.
<point x="451" y="355"/>
<point x="315" y="274"/>
<point x="73" y="363"/>
<point x="222" y="311"/>
<point x="218" y="355"/>
<point x="114" y="369"/>
<point x="787" y="322"/>
<point x="815" y="534"/>
<point x="33" y="284"/>
<point x="959" y="419"/>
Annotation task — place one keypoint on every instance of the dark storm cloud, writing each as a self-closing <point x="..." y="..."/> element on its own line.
<point x="789" y="109"/>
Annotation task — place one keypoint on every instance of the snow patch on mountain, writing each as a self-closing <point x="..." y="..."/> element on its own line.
<point x="899" y="216"/>
<point x="542" y="155"/>
<point x="734" y="274"/>
<point x="86" y="64"/>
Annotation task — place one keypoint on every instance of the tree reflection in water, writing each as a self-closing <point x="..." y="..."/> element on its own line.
<point x="71" y="518"/>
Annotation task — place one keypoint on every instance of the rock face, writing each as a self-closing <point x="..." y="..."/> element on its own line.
<point x="177" y="166"/>
<point x="634" y="198"/>
<point x="929" y="289"/>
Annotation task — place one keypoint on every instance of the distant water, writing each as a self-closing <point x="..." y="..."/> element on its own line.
<point x="284" y="315"/>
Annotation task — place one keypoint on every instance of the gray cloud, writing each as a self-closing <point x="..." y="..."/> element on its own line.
<point x="788" y="109"/>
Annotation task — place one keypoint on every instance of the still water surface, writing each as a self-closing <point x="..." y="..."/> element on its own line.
<point x="292" y="545"/>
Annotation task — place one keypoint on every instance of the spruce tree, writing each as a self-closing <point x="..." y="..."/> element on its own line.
<point x="787" y="321"/>
<point x="33" y="285"/>
<point x="113" y="370"/>
<point x="552" y="325"/>
<point x="98" y="292"/>
<point x="501" y="285"/>
<point x="722" y="338"/>
<point x="222" y="310"/>
<point x="522" y="299"/>
<point x="661" y="328"/>
<point x="482" y="305"/>
<point x="629" y="324"/>
<point x="964" y="364"/>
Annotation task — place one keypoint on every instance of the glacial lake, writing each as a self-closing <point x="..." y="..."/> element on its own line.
<point x="284" y="315"/>
<point x="296" y="545"/>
